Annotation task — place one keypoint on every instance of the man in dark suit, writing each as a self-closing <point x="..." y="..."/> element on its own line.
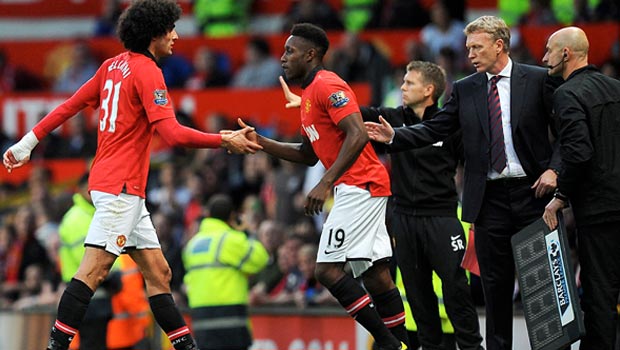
<point x="510" y="164"/>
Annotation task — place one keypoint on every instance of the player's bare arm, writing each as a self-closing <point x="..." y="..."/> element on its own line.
<point x="300" y="152"/>
<point x="354" y="142"/>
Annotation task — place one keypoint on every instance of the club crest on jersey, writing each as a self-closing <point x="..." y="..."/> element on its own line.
<point x="307" y="106"/>
<point x="338" y="99"/>
<point x="121" y="240"/>
<point x="160" y="97"/>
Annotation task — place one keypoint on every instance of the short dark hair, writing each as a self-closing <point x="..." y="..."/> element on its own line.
<point x="144" y="20"/>
<point x="431" y="74"/>
<point x="313" y="34"/>
<point x="220" y="206"/>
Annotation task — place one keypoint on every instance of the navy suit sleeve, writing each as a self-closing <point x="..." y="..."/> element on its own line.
<point x="444" y="123"/>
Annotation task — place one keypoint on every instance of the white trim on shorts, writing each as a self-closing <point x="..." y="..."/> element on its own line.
<point x="355" y="230"/>
<point x="121" y="222"/>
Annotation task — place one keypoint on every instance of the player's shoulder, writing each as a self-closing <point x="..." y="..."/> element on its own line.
<point x="326" y="77"/>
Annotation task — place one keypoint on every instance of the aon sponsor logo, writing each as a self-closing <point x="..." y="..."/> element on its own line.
<point x="310" y="130"/>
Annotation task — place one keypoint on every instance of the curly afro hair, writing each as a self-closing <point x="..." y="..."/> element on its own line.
<point x="144" y="20"/>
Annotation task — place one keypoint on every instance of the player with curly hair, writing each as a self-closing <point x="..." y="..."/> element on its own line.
<point x="133" y="102"/>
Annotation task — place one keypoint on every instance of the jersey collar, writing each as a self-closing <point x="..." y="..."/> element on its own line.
<point x="311" y="76"/>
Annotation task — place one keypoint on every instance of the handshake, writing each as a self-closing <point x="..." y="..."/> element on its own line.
<point x="242" y="141"/>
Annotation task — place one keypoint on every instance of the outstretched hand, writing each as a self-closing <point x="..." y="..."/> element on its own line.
<point x="10" y="162"/>
<point x="294" y="101"/>
<point x="380" y="132"/>
<point x="242" y="141"/>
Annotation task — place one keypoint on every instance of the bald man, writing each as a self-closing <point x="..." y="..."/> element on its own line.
<point x="588" y="109"/>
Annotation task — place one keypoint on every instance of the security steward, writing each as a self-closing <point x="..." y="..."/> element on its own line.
<point x="72" y="232"/>
<point x="218" y="261"/>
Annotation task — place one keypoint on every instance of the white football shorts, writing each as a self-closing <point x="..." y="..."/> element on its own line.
<point x="121" y="222"/>
<point x="355" y="230"/>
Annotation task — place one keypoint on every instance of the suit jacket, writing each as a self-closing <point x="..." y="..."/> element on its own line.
<point x="531" y="91"/>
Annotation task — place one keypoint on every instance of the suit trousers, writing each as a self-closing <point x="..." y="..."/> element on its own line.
<point x="600" y="278"/>
<point x="435" y="243"/>
<point x="508" y="206"/>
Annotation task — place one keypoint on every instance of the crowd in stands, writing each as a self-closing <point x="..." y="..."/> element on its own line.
<point x="269" y="194"/>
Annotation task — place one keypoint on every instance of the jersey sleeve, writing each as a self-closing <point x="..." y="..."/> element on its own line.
<point x="86" y="95"/>
<point x="153" y="93"/>
<point x="337" y="98"/>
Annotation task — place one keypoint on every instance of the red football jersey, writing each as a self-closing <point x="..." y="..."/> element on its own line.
<point x="131" y="93"/>
<point x="324" y="103"/>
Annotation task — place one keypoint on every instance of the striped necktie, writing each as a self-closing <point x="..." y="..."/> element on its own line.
<point x="498" y="152"/>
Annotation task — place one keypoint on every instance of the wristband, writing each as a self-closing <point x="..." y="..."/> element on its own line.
<point x="24" y="147"/>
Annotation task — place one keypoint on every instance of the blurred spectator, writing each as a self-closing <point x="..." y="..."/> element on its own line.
<point x="7" y="234"/>
<point x="540" y="13"/>
<point x="106" y="23"/>
<point x="415" y="50"/>
<point x="176" y="69"/>
<point x="7" y="74"/>
<point x="319" y="12"/>
<point x="256" y="169"/>
<point x="172" y="248"/>
<point x="211" y="69"/>
<point x="287" y="185"/>
<point x="222" y="18"/>
<point x="260" y="69"/>
<point x="518" y="50"/>
<point x="356" y="60"/>
<point x="14" y="78"/>
<point x="81" y="66"/>
<point x="81" y="142"/>
<point x="283" y="293"/>
<point x="24" y="251"/>
<point x="36" y="290"/>
<point x="404" y="14"/>
<point x="169" y="195"/>
<point x="443" y="31"/>
<point x="271" y="235"/>
<point x="310" y="292"/>
<point x="195" y="184"/>
<point x="252" y="214"/>
<point x="611" y="67"/>
<point x="453" y="67"/>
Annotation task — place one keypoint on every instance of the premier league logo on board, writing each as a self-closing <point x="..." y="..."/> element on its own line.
<point x="338" y="99"/>
<point x="160" y="97"/>
<point x="558" y="274"/>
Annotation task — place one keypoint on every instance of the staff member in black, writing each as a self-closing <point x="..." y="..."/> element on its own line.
<point x="588" y="111"/>
<point x="423" y="218"/>
<point x="504" y="113"/>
